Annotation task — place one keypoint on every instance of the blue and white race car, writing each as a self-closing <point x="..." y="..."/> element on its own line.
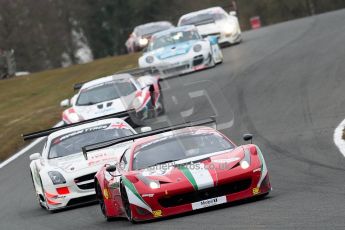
<point x="181" y="50"/>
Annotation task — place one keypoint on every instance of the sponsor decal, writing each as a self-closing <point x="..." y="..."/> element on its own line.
<point x="209" y="202"/>
<point x="147" y="195"/>
<point x="106" y="194"/>
<point x="79" y="132"/>
<point x="256" y="191"/>
<point x="157" y="213"/>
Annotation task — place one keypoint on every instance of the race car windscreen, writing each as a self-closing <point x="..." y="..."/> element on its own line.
<point x="105" y="92"/>
<point x="204" y="18"/>
<point x="152" y="28"/>
<point x="73" y="142"/>
<point x="173" y="38"/>
<point x="178" y="148"/>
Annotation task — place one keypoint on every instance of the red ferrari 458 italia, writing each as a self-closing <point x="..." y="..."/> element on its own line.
<point x="175" y="170"/>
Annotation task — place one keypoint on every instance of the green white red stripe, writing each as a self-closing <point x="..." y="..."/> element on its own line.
<point x="263" y="166"/>
<point x="133" y="195"/>
<point x="198" y="176"/>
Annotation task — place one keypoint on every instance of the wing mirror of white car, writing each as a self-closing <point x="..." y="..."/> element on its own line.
<point x="233" y="13"/>
<point x="110" y="168"/>
<point x="65" y="103"/>
<point x="248" y="137"/>
<point x="145" y="129"/>
<point x="35" y="156"/>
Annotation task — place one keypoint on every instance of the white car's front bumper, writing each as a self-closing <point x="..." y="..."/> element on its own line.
<point x="76" y="191"/>
<point x="186" y="64"/>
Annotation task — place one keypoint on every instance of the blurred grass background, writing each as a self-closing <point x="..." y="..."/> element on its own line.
<point x="31" y="103"/>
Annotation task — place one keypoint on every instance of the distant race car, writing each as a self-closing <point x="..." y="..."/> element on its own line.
<point x="141" y="35"/>
<point x="215" y="21"/>
<point x="60" y="174"/>
<point x="163" y="172"/>
<point x="181" y="50"/>
<point x="113" y="94"/>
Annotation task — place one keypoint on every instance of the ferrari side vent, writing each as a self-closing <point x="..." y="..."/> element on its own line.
<point x="47" y="132"/>
<point x="107" y="144"/>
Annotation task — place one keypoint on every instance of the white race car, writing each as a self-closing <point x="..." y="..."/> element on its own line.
<point x="215" y="21"/>
<point x="181" y="50"/>
<point x="62" y="177"/>
<point x="113" y="94"/>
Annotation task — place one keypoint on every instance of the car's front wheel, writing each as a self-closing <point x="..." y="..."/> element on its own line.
<point x="38" y="198"/>
<point x="126" y="204"/>
<point x="100" y="198"/>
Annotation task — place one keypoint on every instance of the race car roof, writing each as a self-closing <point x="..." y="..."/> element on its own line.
<point x="173" y="30"/>
<point x="208" y="10"/>
<point x="115" y="77"/>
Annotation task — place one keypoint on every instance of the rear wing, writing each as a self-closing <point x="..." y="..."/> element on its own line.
<point x="110" y="143"/>
<point x="137" y="72"/>
<point x="47" y="132"/>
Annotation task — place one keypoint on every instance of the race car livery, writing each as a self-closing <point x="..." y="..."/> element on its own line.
<point x="216" y="22"/>
<point x="166" y="173"/>
<point x="61" y="176"/>
<point x="181" y="50"/>
<point x="113" y="94"/>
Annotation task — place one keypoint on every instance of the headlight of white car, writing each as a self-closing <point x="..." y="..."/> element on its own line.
<point x="56" y="177"/>
<point x="197" y="48"/>
<point x="143" y="41"/>
<point x="230" y="29"/>
<point x="149" y="59"/>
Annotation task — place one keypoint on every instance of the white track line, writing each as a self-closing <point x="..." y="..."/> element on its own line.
<point x="338" y="137"/>
<point x="24" y="150"/>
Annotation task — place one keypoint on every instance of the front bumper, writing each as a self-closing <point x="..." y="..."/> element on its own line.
<point x="164" y="204"/>
<point x="76" y="191"/>
<point x="184" y="65"/>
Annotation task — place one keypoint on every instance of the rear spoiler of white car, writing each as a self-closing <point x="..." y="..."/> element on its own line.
<point x="137" y="72"/>
<point x="110" y="143"/>
<point x="47" y="132"/>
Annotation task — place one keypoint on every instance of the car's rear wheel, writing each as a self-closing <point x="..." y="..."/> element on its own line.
<point x="126" y="203"/>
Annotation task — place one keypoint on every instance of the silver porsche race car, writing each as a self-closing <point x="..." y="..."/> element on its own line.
<point x="181" y="50"/>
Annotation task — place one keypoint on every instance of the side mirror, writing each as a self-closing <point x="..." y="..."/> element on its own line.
<point x="233" y="13"/>
<point x="248" y="137"/>
<point x="35" y="156"/>
<point x="145" y="129"/>
<point x="111" y="168"/>
<point x="65" y="103"/>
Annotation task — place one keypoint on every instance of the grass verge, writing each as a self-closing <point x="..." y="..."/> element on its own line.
<point x="31" y="103"/>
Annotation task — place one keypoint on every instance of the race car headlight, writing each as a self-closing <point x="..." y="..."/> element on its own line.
<point x="154" y="185"/>
<point x="197" y="48"/>
<point x="244" y="164"/>
<point x="56" y="177"/>
<point x="149" y="59"/>
<point x="230" y="29"/>
<point x="143" y="41"/>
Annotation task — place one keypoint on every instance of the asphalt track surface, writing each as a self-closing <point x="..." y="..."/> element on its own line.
<point x="285" y="84"/>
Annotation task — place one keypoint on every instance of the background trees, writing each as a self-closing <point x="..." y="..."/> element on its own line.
<point x="53" y="33"/>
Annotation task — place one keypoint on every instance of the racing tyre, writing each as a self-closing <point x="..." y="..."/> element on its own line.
<point x="100" y="198"/>
<point x="37" y="196"/>
<point x="126" y="204"/>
